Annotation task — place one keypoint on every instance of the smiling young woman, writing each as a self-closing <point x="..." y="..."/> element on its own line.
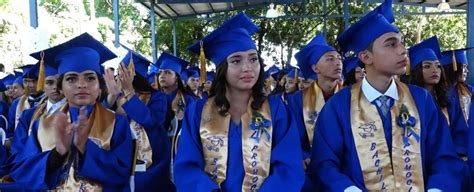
<point x="237" y="139"/>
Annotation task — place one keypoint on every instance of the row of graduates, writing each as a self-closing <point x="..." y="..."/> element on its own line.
<point x="238" y="139"/>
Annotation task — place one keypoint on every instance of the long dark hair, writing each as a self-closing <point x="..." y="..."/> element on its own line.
<point x="451" y="75"/>
<point x="102" y="85"/>
<point x="279" y="87"/>
<point x="439" y="90"/>
<point x="218" y="89"/>
<point x="141" y="85"/>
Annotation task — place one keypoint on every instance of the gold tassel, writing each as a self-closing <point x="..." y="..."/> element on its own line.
<point x="455" y="63"/>
<point x="131" y="66"/>
<point x="296" y="76"/>
<point x="157" y="85"/>
<point x="41" y="75"/>
<point x="407" y="69"/>
<point x="202" y="61"/>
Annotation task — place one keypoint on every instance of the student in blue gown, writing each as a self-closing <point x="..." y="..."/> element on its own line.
<point x="305" y="82"/>
<point x="207" y="86"/>
<point x="143" y="106"/>
<point x="270" y="82"/>
<point x="427" y="72"/>
<point x="8" y="81"/>
<point x="316" y="58"/>
<point x="381" y="134"/>
<point x="237" y="139"/>
<point x="288" y="84"/>
<point x="353" y="72"/>
<point x="177" y="97"/>
<point x="3" y="109"/>
<point x="30" y="98"/>
<point x="53" y="100"/>
<point x="470" y="151"/>
<point x="455" y="65"/>
<point x="193" y="82"/>
<point x="17" y="86"/>
<point x="83" y="146"/>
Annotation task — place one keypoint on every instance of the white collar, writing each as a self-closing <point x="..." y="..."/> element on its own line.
<point x="372" y="94"/>
<point x="54" y="106"/>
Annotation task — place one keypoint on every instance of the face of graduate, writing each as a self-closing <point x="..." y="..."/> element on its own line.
<point x="167" y="78"/>
<point x="51" y="88"/>
<point x="30" y="84"/>
<point x="431" y="72"/>
<point x="207" y="86"/>
<point x="290" y="85"/>
<point x="243" y="69"/>
<point x="81" y="88"/>
<point x="305" y="83"/>
<point x="193" y="83"/>
<point x="463" y="77"/>
<point x="388" y="55"/>
<point x="9" y="91"/>
<point x="359" y="74"/>
<point x="329" y="66"/>
<point x="17" y="90"/>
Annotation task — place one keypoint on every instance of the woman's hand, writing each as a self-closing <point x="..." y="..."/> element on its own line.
<point x="126" y="79"/>
<point x="63" y="131"/>
<point x="113" y="87"/>
<point x="81" y="130"/>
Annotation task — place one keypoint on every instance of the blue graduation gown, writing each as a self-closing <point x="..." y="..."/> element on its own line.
<point x="470" y="152"/>
<point x="286" y="169"/>
<point x="110" y="168"/>
<point x="11" y="117"/>
<point x="3" y="160"/>
<point x="334" y="161"/>
<point x="170" y="113"/>
<point x="4" y="113"/>
<point x="295" y="103"/>
<point x="152" y="117"/>
<point x="459" y="128"/>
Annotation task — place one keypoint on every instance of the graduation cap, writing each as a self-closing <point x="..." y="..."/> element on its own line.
<point x="370" y="27"/>
<point x="44" y="72"/>
<point x="170" y="62"/>
<point x="350" y="64"/>
<point x="293" y="73"/>
<point x="184" y="75"/>
<point x="135" y="62"/>
<point x="423" y="51"/>
<point x="454" y="57"/>
<point x="310" y="54"/>
<point x="191" y="72"/>
<point x="18" y="78"/>
<point x="76" y="55"/>
<point x="232" y="36"/>
<point x="8" y="80"/>
<point x="210" y="75"/>
<point x="273" y="69"/>
<point x="30" y="71"/>
<point x="2" y="86"/>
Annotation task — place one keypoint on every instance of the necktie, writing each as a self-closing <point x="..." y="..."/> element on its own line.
<point x="384" y="104"/>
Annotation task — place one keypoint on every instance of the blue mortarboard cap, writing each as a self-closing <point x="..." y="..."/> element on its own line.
<point x="459" y="54"/>
<point x="8" y="80"/>
<point x="151" y="77"/>
<point x="423" y="51"/>
<point x="30" y="71"/>
<point x="232" y="36"/>
<point x="140" y="63"/>
<point x="210" y="76"/>
<point x="310" y="54"/>
<point x="350" y="64"/>
<point x="49" y="71"/>
<point x="192" y="73"/>
<point x="18" y="80"/>
<point x="77" y="55"/>
<point x="184" y="75"/>
<point x="2" y="86"/>
<point x="370" y="27"/>
<point x="198" y="71"/>
<point x="273" y="69"/>
<point x="292" y="72"/>
<point x="167" y="61"/>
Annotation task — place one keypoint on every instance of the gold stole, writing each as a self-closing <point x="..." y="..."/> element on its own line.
<point x="402" y="172"/>
<point x="464" y="99"/>
<point x="256" y="143"/>
<point x="313" y="102"/>
<point x="102" y="123"/>
<point x="23" y="105"/>
<point x="39" y="111"/>
<point x="179" y="105"/>
<point x="144" y="151"/>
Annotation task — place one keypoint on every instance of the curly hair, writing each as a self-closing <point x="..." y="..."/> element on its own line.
<point x="218" y="89"/>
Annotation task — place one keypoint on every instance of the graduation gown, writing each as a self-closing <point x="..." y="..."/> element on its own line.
<point x="11" y="117"/>
<point x="458" y="128"/>
<point x="286" y="169"/>
<point x="334" y="160"/>
<point x="152" y="117"/>
<point x="470" y="153"/>
<point x="111" y="168"/>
